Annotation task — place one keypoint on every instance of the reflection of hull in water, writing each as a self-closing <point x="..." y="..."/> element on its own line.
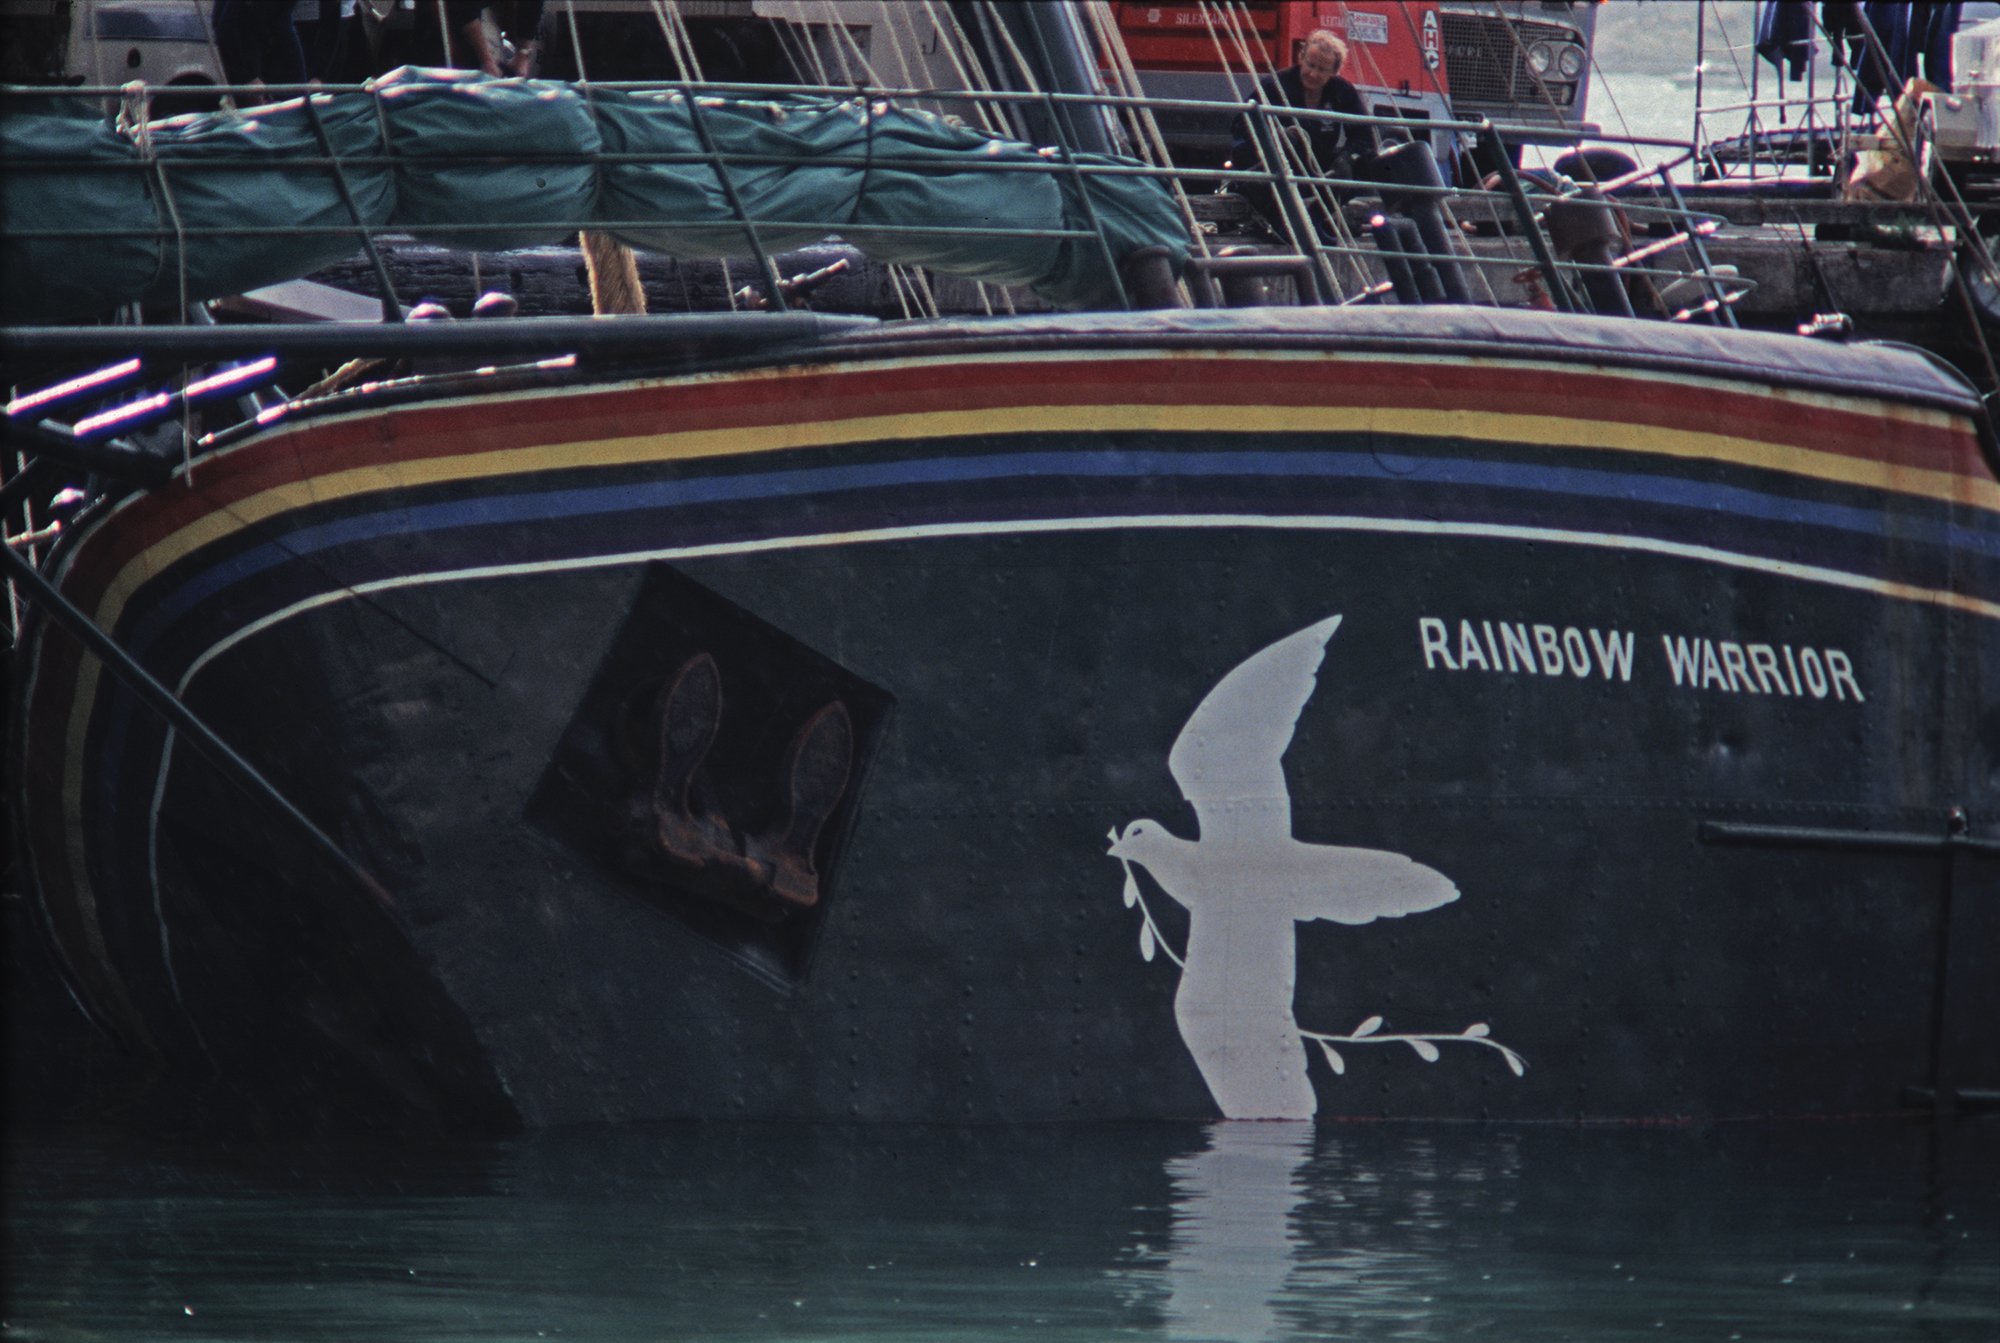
<point x="1595" y="589"/>
<point x="1166" y="1230"/>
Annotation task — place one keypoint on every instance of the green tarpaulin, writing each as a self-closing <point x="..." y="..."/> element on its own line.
<point x="215" y="204"/>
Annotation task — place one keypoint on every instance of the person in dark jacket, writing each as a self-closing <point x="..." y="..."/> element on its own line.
<point x="1331" y="148"/>
<point x="380" y="36"/>
<point x="258" y="45"/>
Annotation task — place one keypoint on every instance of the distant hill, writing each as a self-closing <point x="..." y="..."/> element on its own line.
<point x="1656" y="37"/>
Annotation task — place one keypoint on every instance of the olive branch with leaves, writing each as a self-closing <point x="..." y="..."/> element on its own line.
<point x="1426" y="1046"/>
<point x="1150" y="937"/>
<point x="1369" y="1032"/>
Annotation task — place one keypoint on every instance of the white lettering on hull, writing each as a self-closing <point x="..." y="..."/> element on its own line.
<point x="1690" y="661"/>
<point x="1753" y="669"/>
<point x="1538" y="650"/>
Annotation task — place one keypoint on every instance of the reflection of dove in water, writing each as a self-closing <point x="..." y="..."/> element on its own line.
<point x="1246" y="880"/>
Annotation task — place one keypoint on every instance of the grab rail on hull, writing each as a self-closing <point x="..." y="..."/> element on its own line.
<point x="1941" y="1091"/>
<point x="163" y="701"/>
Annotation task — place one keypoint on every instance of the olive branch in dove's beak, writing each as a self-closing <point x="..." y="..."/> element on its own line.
<point x="1150" y="938"/>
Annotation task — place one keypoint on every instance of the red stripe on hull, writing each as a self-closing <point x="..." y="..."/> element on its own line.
<point x="835" y="394"/>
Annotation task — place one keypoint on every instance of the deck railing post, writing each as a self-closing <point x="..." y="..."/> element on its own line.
<point x="1290" y="202"/>
<point x="1722" y="310"/>
<point x="1496" y="150"/>
<point x="774" y="292"/>
<point x="1700" y="45"/>
<point x="392" y="308"/>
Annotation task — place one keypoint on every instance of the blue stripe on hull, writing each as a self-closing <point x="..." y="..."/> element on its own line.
<point x="1678" y="508"/>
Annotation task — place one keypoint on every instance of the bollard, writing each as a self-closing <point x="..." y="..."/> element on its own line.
<point x="1241" y="274"/>
<point x="1244" y="291"/>
<point x="1585" y="231"/>
<point x="1149" y="277"/>
<point x="1391" y="248"/>
<point x="1425" y="270"/>
<point x="1411" y="165"/>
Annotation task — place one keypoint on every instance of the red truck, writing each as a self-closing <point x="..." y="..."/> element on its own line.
<point x="1523" y="63"/>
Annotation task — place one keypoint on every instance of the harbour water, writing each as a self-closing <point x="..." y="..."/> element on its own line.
<point x="1810" y="1230"/>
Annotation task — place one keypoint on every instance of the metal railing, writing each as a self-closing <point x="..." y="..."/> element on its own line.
<point x="1318" y="211"/>
<point x="1396" y="232"/>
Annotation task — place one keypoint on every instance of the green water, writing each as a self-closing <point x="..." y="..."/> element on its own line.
<point x="1828" y="1230"/>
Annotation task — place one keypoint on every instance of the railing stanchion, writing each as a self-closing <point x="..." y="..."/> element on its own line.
<point x="1709" y="282"/>
<point x="392" y="307"/>
<point x="1290" y="202"/>
<point x="1544" y="259"/>
<point x="767" y="274"/>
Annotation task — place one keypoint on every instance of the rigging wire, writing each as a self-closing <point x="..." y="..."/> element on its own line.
<point x="674" y="31"/>
<point x="992" y="116"/>
<point x="901" y="276"/>
<point x="1297" y="163"/>
<point x="950" y="45"/>
<point x="1152" y="143"/>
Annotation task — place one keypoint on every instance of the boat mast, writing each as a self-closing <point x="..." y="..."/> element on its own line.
<point x="1700" y="59"/>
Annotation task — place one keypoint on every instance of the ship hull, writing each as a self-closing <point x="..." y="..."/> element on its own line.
<point x="1642" y="660"/>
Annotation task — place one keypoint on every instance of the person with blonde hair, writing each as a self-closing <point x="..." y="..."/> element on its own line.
<point x="1329" y="148"/>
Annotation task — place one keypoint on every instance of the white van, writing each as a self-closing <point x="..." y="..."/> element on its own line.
<point x="166" y="43"/>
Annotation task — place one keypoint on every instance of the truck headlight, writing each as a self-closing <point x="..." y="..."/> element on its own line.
<point x="1540" y="57"/>
<point x="1569" y="64"/>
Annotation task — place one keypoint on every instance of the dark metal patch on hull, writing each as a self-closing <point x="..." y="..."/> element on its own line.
<point x="713" y="769"/>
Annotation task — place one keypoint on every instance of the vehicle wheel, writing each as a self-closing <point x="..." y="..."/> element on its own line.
<point x="1599" y="163"/>
<point x="1983" y="283"/>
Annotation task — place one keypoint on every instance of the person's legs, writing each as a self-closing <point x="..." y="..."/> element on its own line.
<point x="280" y="58"/>
<point x="235" y="42"/>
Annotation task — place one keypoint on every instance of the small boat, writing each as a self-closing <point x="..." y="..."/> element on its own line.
<point x="1365" y="709"/>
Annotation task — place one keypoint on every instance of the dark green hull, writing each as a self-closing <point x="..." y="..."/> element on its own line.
<point x="1675" y="666"/>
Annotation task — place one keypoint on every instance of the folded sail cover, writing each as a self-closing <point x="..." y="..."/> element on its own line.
<point x="225" y="202"/>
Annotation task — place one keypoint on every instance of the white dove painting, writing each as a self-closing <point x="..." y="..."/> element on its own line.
<point x="1246" y="881"/>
